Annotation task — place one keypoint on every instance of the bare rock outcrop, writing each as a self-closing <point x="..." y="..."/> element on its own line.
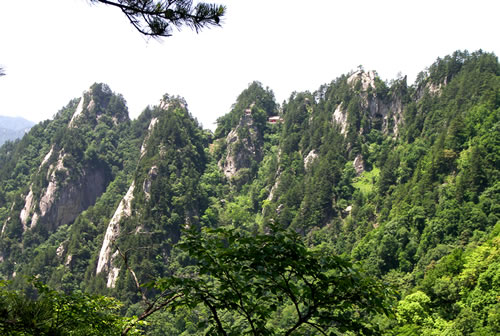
<point x="243" y="147"/>
<point x="385" y="113"/>
<point x="340" y="118"/>
<point x="367" y="79"/>
<point x="78" y="111"/>
<point x="146" y="186"/>
<point x="310" y="158"/>
<point x="124" y="210"/>
<point x="61" y="200"/>
<point x="67" y="191"/>
<point x="359" y="164"/>
<point x="151" y="126"/>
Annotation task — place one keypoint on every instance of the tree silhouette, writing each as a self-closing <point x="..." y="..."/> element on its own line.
<point x="157" y="18"/>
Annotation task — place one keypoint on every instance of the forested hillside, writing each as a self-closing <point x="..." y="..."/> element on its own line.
<point x="387" y="191"/>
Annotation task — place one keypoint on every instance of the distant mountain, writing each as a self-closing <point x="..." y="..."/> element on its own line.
<point x="12" y="128"/>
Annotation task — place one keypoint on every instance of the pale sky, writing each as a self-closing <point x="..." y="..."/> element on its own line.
<point x="53" y="50"/>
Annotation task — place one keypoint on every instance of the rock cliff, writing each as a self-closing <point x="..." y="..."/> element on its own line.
<point x="243" y="147"/>
<point x="67" y="180"/>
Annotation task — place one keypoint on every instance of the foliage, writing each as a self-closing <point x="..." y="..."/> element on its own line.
<point x="47" y="312"/>
<point x="365" y="183"/>
<point x="272" y="283"/>
<point x="420" y="209"/>
<point x="258" y="99"/>
<point x="157" y="18"/>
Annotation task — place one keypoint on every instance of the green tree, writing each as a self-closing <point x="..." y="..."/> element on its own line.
<point x="47" y="312"/>
<point x="414" y="309"/>
<point x="158" y="18"/>
<point x="268" y="284"/>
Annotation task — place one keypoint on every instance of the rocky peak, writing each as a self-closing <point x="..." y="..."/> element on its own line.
<point x="96" y="102"/>
<point x="167" y="101"/>
<point x="69" y="178"/>
<point x="382" y="109"/>
<point x="367" y="79"/>
<point x="243" y="146"/>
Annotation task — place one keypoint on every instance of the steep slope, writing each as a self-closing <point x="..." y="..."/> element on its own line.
<point x="240" y="133"/>
<point x="163" y="198"/>
<point x="324" y="145"/>
<point x="74" y="164"/>
<point x="399" y="177"/>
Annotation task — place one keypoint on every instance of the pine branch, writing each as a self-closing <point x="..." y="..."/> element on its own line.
<point x="157" y="18"/>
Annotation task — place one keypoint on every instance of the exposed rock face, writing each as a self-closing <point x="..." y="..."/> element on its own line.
<point x="108" y="260"/>
<point x="62" y="201"/>
<point x="242" y="148"/>
<point x="60" y="250"/>
<point x="275" y="186"/>
<point x="385" y="114"/>
<point x="46" y="157"/>
<point x="359" y="164"/>
<point x="277" y="176"/>
<point x="309" y="159"/>
<point x="124" y="210"/>
<point x="146" y="186"/>
<point x="152" y="124"/>
<point x="367" y="79"/>
<point x="48" y="197"/>
<point x="3" y="228"/>
<point x="113" y="272"/>
<point x="6" y="222"/>
<point x="340" y="117"/>
<point x="390" y="113"/>
<point x="67" y="191"/>
<point x="433" y="88"/>
<point x="77" y="197"/>
<point x="87" y="106"/>
<point x="348" y="209"/>
<point x="28" y="207"/>
<point x="78" y="111"/>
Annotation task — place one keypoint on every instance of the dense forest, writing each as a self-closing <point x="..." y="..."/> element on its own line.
<point x="365" y="207"/>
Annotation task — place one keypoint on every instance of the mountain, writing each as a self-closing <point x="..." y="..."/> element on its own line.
<point x="401" y="179"/>
<point x="163" y="197"/>
<point x="12" y="128"/>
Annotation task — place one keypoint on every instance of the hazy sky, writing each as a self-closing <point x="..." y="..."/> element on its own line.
<point x="53" y="50"/>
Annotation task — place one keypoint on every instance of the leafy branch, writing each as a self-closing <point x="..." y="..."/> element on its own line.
<point x="251" y="277"/>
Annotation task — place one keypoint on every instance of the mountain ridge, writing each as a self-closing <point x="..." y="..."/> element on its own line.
<point x="401" y="178"/>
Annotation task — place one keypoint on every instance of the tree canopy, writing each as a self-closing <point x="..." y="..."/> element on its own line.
<point x="272" y="284"/>
<point x="44" y="311"/>
<point x="158" y="18"/>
